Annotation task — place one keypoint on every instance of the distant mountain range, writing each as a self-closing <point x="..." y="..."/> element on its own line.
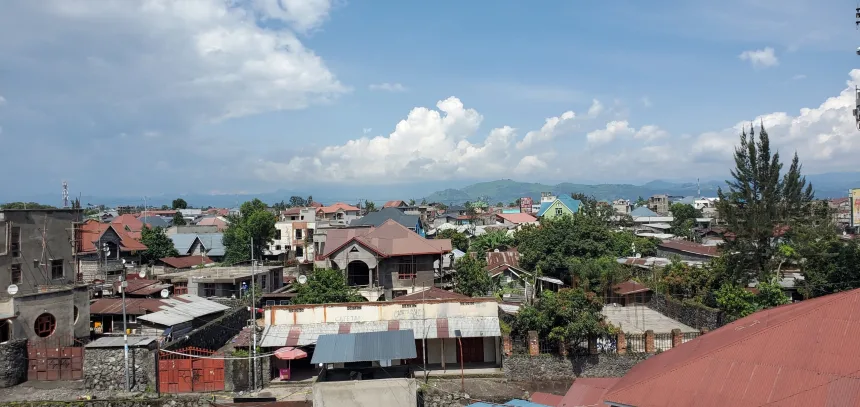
<point x="829" y="185"/>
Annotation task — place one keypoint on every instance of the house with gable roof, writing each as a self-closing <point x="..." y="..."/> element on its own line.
<point x="560" y="206"/>
<point x="339" y="211"/>
<point x="389" y="260"/>
<point x="101" y="249"/>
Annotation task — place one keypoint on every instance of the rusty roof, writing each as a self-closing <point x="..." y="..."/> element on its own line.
<point x="91" y="230"/>
<point x="135" y="284"/>
<point x="393" y="204"/>
<point x="389" y="239"/>
<point x="587" y="391"/>
<point x="133" y="306"/>
<point x="517" y="218"/>
<point x="340" y="206"/>
<point x="801" y="354"/>
<point x="433" y="293"/>
<point x="293" y="211"/>
<point x="690" y="247"/>
<point x="510" y="257"/>
<point x="629" y="287"/>
<point x="186" y="262"/>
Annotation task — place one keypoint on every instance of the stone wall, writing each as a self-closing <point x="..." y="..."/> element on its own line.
<point x="104" y="369"/>
<point x="230" y="302"/>
<point x="13" y="362"/>
<point x="137" y="402"/>
<point x="236" y="374"/>
<point x="553" y="367"/>
<point x="216" y="333"/>
<point x="695" y="315"/>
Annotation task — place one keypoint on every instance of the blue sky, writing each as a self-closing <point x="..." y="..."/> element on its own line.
<point x="149" y="97"/>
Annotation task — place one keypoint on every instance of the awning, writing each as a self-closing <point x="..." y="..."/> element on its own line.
<point x="365" y="347"/>
<point x="290" y="353"/>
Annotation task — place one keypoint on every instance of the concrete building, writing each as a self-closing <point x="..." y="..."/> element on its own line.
<point x="39" y="297"/>
<point x="659" y="204"/>
<point x="389" y="260"/>
<point x="622" y="206"/>
<point x="339" y="211"/>
<point x="294" y="236"/>
<point x="224" y="282"/>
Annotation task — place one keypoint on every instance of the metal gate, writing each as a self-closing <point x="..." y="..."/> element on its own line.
<point x="193" y="371"/>
<point x="54" y="359"/>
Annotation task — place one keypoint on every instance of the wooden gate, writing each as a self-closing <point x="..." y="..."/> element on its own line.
<point x="473" y="350"/>
<point x="193" y="371"/>
<point x="53" y="359"/>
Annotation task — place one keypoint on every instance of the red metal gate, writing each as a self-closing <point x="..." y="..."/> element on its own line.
<point x="193" y="371"/>
<point x="53" y="359"/>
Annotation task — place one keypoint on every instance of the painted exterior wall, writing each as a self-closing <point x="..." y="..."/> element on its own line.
<point x="62" y="304"/>
<point x="379" y="311"/>
<point x="554" y="208"/>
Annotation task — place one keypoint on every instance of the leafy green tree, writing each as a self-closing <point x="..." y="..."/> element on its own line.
<point x="423" y="201"/>
<point x="569" y="315"/>
<point x="598" y="275"/>
<point x="255" y="222"/>
<point x="591" y="207"/>
<point x="548" y="248"/>
<point x="411" y="202"/>
<point x="26" y="205"/>
<point x="499" y="204"/>
<point x="684" y="219"/>
<point x="770" y="295"/>
<point x="623" y="243"/>
<point x="472" y="278"/>
<point x="158" y="244"/>
<point x="326" y="286"/>
<point x="640" y="201"/>
<point x="178" y="220"/>
<point x="735" y="301"/>
<point x="310" y="200"/>
<point x="759" y="205"/>
<point x="369" y="206"/>
<point x="681" y="280"/>
<point x="458" y="240"/>
<point x="297" y="202"/>
<point x="179" y="203"/>
<point x="489" y="241"/>
<point x="829" y="263"/>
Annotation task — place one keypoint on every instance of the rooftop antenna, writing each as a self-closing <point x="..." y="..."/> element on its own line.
<point x="698" y="189"/>
<point x="856" y="88"/>
<point x="65" y="194"/>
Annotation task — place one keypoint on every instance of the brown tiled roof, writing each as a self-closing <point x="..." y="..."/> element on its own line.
<point x="801" y="354"/>
<point x="293" y="211"/>
<point x="389" y="239"/>
<point x="91" y="230"/>
<point x="433" y="293"/>
<point x="186" y="262"/>
<point x="168" y="213"/>
<point x="517" y="218"/>
<point x="316" y="205"/>
<point x="338" y="206"/>
<point x="392" y="204"/>
<point x="837" y="201"/>
<point x="629" y="287"/>
<point x="588" y="391"/>
<point x="133" y="306"/>
<point x="690" y="247"/>
<point x="128" y="223"/>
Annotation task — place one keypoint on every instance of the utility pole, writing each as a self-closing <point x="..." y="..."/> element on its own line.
<point x="253" y="309"/>
<point x="122" y="286"/>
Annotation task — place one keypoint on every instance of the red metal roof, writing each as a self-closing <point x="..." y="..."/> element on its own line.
<point x="690" y="247"/>
<point x="135" y="284"/>
<point x="186" y="262"/>
<point x="517" y="218"/>
<point x="338" y="206"/>
<point x="433" y="293"/>
<point x="588" y="391"/>
<point x="629" y="287"/>
<point x="91" y="230"/>
<point x="133" y="306"/>
<point x="393" y="204"/>
<point x="552" y="400"/>
<point x="128" y="223"/>
<point x="802" y="354"/>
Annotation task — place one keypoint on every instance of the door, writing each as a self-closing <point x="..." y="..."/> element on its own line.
<point x="419" y="354"/>
<point x="473" y="350"/>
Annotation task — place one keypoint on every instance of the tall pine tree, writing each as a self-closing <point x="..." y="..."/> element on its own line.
<point x="760" y="206"/>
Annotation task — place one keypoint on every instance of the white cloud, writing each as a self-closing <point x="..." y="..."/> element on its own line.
<point x="192" y="60"/>
<point x="613" y="130"/>
<point x="650" y="133"/>
<point x="760" y="59"/>
<point x="302" y="15"/>
<point x="388" y="87"/>
<point x="550" y="129"/>
<point x="530" y="164"/>
<point x="596" y="108"/>
<point x="798" y="77"/>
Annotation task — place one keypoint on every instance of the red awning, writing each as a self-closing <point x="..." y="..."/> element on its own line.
<point x="290" y="353"/>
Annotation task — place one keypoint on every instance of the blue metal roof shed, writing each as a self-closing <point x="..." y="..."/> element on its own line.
<point x="514" y="402"/>
<point x="365" y="347"/>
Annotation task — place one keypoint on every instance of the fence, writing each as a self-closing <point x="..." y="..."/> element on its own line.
<point x="520" y="345"/>
<point x="689" y="336"/>
<point x="648" y="342"/>
<point x="662" y="341"/>
<point x="635" y="343"/>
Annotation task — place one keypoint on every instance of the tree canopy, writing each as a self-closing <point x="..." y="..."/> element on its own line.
<point x="326" y="286"/>
<point x="25" y="205"/>
<point x="492" y="240"/>
<point x="158" y="244"/>
<point x="472" y="278"/>
<point x="255" y="222"/>
<point x="178" y="220"/>
<point x="684" y="219"/>
<point x="369" y="206"/>
<point x="458" y="240"/>
<point x="569" y="315"/>
<point x="179" y="203"/>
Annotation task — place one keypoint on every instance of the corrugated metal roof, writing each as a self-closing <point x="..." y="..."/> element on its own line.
<point x="307" y="334"/>
<point x="190" y="307"/>
<point x="587" y="391"/>
<point x="643" y="212"/>
<point x="514" y="403"/>
<point x="364" y="347"/>
<point x="552" y="400"/>
<point x="119" y="342"/>
<point x="550" y="280"/>
<point x="690" y="247"/>
<point x="801" y="354"/>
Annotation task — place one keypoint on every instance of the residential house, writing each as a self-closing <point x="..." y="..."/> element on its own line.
<point x="339" y="211"/>
<point x="103" y="250"/>
<point x="841" y="210"/>
<point x="153" y="222"/>
<point x="687" y="250"/>
<point x="442" y="323"/>
<point x="517" y="284"/>
<point x="516" y="219"/>
<point x="294" y="239"/>
<point x="128" y="223"/>
<point x="191" y="229"/>
<point x="225" y="282"/>
<point x="560" y="206"/>
<point x="630" y="293"/>
<point x="140" y="287"/>
<point x="376" y="219"/>
<point x="39" y="296"/>
<point x="622" y="206"/>
<point x="395" y="204"/>
<point x="659" y="204"/>
<point x="219" y="222"/>
<point x="193" y="244"/>
<point x="746" y="363"/>
<point x="170" y="317"/>
<point x="183" y="262"/>
<point x="388" y="260"/>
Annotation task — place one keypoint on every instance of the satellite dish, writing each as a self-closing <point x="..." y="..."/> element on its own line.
<point x="142" y="273"/>
<point x="164" y="293"/>
<point x="302" y="279"/>
<point x="123" y="260"/>
<point x="12" y="290"/>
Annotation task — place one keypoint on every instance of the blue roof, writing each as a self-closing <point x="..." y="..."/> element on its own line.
<point x="183" y="241"/>
<point x="570" y="203"/>
<point x="685" y="200"/>
<point x="643" y="211"/>
<point x="214" y="243"/>
<point x="156" y="221"/>
<point x="365" y="347"/>
<point x="514" y="402"/>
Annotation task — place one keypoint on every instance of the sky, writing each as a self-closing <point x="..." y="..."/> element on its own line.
<point x="236" y="96"/>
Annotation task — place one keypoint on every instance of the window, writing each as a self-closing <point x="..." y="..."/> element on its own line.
<point x="277" y="247"/>
<point x="5" y="331"/>
<point x="300" y="251"/>
<point x="405" y="271"/>
<point x="558" y="211"/>
<point x="263" y="282"/>
<point x="180" y="288"/>
<point x="15" y="241"/>
<point x="15" y="270"/>
<point x="277" y="234"/>
<point x="45" y="325"/>
<point x="57" y="271"/>
<point x="298" y="233"/>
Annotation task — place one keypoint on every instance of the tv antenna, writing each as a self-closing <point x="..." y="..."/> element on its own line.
<point x="65" y="194"/>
